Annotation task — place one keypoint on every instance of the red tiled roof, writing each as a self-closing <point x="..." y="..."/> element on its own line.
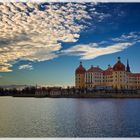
<point x="108" y="71"/>
<point x="130" y="74"/>
<point x="119" y="66"/>
<point x="95" y="69"/>
<point x="134" y="74"/>
<point x="80" y="70"/>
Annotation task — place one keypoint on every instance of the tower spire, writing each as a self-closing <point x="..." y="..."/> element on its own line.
<point x="128" y="67"/>
<point x="119" y="58"/>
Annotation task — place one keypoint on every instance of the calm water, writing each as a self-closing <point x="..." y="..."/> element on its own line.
<point x="47" y="117"/>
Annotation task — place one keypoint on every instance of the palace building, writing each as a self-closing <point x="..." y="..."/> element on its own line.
<point x="117" y="77"/>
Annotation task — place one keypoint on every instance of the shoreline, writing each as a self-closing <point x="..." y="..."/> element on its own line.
<point x="116" y="95"/>
<point x="71" y="93"/>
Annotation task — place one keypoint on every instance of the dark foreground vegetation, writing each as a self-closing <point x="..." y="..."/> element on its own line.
<point x="58" y="92"/>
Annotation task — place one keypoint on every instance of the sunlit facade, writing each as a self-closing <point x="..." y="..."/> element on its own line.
<point x="117" y="77"/>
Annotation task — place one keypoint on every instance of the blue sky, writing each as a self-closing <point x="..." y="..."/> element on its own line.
<point x="47" y="42"/>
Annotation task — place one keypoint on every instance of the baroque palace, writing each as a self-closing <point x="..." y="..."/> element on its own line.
<point x="117" y="77"/>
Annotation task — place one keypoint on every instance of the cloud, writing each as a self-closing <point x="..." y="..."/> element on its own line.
<point x="5" y="67"/>
<point x="34" y="31"/>
<point x="132" y="36"/>
<point x="113" y="45"/>
<point x="26" y="66"/>
<point x="91" y="51"/>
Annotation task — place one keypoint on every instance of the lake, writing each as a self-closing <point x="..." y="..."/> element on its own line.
<point x="69" y="117"/>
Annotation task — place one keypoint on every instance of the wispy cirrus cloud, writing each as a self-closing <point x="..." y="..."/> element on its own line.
<point x="90" y="51"/>
<point x="130" y="37"/>
<point x="93" y="50"/>
<point x="26" y="66"/>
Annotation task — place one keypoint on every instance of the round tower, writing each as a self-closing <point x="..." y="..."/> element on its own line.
<point x="119" y="75"/>
<point x="80" y="76"/>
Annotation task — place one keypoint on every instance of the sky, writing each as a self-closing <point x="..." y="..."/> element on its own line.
<point x="43" y="43"/>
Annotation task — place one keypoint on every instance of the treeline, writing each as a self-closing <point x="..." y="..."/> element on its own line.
<point x="33" y="91"/>
<point x="14" y="91"/>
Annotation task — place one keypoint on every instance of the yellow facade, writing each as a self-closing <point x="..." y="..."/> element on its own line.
<point x="119" y="80"/>
<point x="116" y="77"/>
<point x="80" y="80"/>
<point x="133" y="81"/>
<point x="108" y="80"/>
<point x="80" y="76"/>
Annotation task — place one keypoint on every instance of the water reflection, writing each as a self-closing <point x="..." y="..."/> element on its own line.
<point x="47" y="117"/>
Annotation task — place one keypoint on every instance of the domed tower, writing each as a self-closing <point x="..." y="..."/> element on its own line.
<point x="119" y="75"/>
<point x="80" y="76"/>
